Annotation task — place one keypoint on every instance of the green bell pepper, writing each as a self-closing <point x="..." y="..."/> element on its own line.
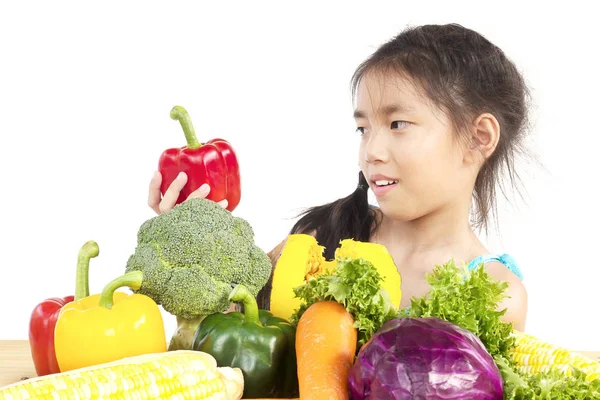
<point x="260" y="344"/>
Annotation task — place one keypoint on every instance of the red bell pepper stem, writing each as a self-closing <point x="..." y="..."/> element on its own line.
<point x="180" y="114"/>
<point x="82" y="286"/>
<point x="132" y="279"/>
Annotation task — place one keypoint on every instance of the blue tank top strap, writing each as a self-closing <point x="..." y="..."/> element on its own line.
<point x="505" y="259"/>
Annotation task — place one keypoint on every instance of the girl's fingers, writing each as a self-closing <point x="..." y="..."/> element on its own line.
<point x="200" y="193"/>
<point x="154" y="194"/>
<point x="223" y="203"/>
<point x="172" y="194"/>
<point x="161" y="204"/>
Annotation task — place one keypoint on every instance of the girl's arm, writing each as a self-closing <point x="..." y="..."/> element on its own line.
<point x="516" y="301"/>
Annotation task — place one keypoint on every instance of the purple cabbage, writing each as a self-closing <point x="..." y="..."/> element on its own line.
<point x="424" y="358"/>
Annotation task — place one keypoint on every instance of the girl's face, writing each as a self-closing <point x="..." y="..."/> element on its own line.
<point x="409" y="152"/>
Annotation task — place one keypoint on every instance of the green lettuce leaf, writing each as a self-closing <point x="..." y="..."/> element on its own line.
<point x="356" y="284"/>
<point x="469" y="299"/>
<point x="553" y="384"/>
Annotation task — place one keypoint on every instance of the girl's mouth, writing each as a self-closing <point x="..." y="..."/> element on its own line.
<point x="381" y="187"/>
<point x="385" y="182"/>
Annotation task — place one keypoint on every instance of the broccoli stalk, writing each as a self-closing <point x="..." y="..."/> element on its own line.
<point x="183" y="337"/>
<point x="191" y="257"/>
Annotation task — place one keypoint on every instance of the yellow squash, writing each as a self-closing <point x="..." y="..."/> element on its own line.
<point x="380" y="257"/>
<point x="302" y="259"/>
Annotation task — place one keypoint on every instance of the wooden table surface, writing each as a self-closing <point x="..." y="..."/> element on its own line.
<point x="16" y="364"/>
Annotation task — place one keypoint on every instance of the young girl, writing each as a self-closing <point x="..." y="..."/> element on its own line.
<point x="440" y="111"/>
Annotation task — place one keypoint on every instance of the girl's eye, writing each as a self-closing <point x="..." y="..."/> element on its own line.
<point x="360" y="130"/>
<point x="400" y="124"/>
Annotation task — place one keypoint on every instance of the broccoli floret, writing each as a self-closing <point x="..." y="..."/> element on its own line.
<point x="191" y="257"/>
<point x="193" y="284"/>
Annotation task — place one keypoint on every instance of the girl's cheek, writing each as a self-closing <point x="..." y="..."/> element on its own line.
<point x="409" y="160"/>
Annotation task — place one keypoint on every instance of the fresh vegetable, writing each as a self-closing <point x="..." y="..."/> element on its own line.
<point x="302" y="259"/>
<point x="533" y="355"/>
<point x="379" y="256"/>
<point x="41" y="334"/>
<point x="356" y="284"/>
<point x="261" y="345"/>
<point x="471" y="299"/>
<point x="213" y="162"/>
<point x="424" y="358"/>
<point x="191" y="256"/>
<point x="550" y="384"/>
<point x="44" y="316"/>
<point x="109" y="326"/>
<point x="326" y="340"/>
<point x="167" y="375"/>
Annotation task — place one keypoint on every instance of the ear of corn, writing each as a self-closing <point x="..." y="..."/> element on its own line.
<point x="173" y="375"/>
<point x="533" y="355"/>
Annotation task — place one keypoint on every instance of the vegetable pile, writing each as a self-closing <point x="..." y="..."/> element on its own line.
<point x="450" y="343"/>
<point x="344" y="339"/>
<point x="468" y="300"/>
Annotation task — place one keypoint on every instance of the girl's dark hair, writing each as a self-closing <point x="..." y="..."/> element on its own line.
<point x="464" y="75"/>
<point x="350" y="217"/>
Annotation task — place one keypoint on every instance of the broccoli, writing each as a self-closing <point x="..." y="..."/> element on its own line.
<point x="191" y="257"/>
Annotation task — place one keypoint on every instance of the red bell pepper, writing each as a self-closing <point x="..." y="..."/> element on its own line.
<point x="44" y="316"/>
<point x="213" y="162"/>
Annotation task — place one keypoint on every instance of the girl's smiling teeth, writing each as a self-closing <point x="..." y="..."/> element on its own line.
<point x="385" y="182"/>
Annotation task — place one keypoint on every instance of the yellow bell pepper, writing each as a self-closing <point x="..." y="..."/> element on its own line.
<point x="109" y="326"/>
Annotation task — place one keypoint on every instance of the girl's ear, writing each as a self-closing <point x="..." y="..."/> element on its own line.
<point x="485" y="133"/>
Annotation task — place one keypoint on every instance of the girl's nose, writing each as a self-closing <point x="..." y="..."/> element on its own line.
<point x="377" y="147"/>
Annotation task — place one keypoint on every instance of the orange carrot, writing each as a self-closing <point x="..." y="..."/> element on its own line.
<point x="325" y="348"/>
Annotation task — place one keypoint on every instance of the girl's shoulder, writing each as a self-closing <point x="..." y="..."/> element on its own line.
<point x="505" y="259"/>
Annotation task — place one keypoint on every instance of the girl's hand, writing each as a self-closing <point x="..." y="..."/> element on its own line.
<point x="161" y="204"/>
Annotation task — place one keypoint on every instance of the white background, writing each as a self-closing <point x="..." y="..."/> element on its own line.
<point x="85" y="94"/>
